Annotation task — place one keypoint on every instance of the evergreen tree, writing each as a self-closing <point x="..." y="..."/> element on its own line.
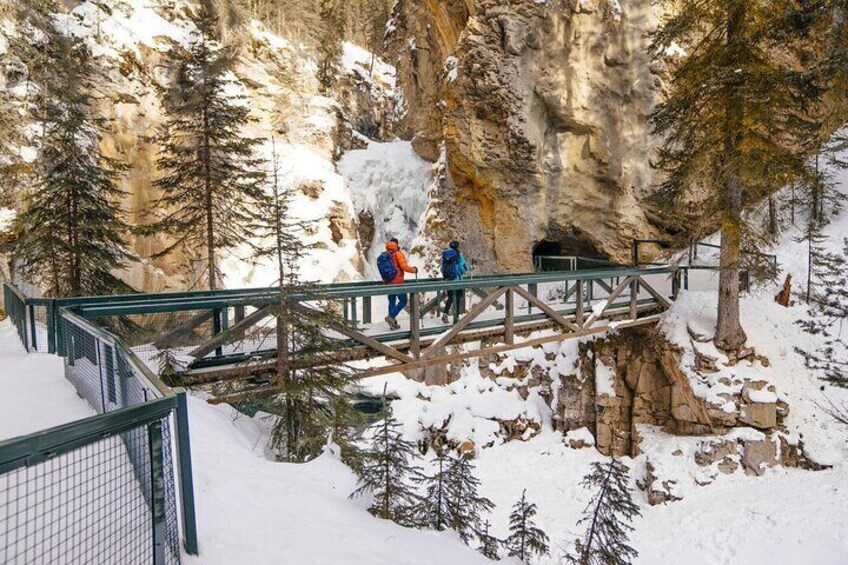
<point x="434" y="510"/>
<point x="489" y="544"/>
<point x="211" y="176"/>
<point x="387" y="470"/>
<point x="607" y="517"/>
<point x="466" y="504"/>
<point x="525" y="538"/>
<point x="70" y="228"/>
<point x="829" y="311"/>
<point x="735" y="123"/>
<point x="451" y="499"/>
<point x="169" y="366"/>
<point x="312" y="401"/>
<point x="330" y="50"/>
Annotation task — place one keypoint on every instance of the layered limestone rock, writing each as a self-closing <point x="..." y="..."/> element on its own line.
<point x="541" y="109"/>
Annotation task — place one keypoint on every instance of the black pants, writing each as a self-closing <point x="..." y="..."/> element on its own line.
<point x="454" y="297"/>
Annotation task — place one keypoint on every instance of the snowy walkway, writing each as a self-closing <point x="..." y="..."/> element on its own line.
<point x="34" y="394"/>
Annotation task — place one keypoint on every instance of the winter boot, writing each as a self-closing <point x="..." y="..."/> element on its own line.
<point x="392" y="323"/>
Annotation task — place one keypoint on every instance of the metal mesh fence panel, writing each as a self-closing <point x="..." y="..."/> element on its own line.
<point x="37" y="327"/>
<point x="109" y="378"/>
<point x="16" y="310"/>
<point x="92" y="504"/>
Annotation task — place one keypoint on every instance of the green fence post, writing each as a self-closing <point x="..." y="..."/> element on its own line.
<point x="216" y="328"/>
<point x="366" y="310"/>
<point x="157" y="488"/>
<point x="51" y="327"/>
<point x="32" y="328"/>
<point x="184" y="472"/>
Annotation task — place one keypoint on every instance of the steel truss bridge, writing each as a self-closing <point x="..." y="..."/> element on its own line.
<point x="228" y="334"/>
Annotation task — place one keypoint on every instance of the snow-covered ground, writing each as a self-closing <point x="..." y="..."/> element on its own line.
<point x="254" y="510"/>
<point x="34" y="394"/>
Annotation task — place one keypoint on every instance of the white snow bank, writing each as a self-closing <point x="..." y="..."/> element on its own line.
<point x="604" y="379"/>
<point x="253" y="510"/>
<point x="7" y="216"/>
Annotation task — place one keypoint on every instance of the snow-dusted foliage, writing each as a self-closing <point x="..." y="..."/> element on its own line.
<point x="607" y="518"/>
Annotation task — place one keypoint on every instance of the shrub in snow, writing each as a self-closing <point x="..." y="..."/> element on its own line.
<point x="385" y="471"/>
<point x="525" y="539"/>
<point x="607" y="517"/>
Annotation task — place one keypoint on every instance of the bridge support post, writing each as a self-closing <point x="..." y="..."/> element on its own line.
<point x="634" y="298"/>
<point x="414" y="326"/>
<point x="578" y="312"/>
<point x="509" y="318"/>
<point x="366" y="310"/>
<point x="533" y="289"/>
<point x="216" y="328"/>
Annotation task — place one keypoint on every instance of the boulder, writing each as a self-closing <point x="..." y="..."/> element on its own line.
<point x="757" y="455"/>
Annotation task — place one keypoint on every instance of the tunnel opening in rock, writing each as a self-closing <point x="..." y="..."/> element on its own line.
<point x="550" y="253"/>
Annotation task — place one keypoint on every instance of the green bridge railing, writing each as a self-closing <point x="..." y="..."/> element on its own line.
<point x="106" y="489"/>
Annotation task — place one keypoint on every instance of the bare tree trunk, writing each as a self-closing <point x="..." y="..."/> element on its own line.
<point x="729" y="333"/>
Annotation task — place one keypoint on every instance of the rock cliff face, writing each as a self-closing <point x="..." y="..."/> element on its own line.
<point x="540" y="108"/>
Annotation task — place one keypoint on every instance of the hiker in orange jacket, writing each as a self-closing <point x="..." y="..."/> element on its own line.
<point x="397" y="302"/>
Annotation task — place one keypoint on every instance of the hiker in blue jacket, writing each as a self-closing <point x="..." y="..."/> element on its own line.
<point x="454" y="266"/>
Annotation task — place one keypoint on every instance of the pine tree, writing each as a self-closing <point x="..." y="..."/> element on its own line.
<point x="212" y="177"/>
<point x="489" y="544"/>
<point x="829" y="311"/>
<point x="525" y="538"/>
<point x="451" y="499"/>
<point x="466" y="504"/>
<point x="434" y="510"/>
<point x="330" y="43"/>
<point x="387" y="471"/>
<point x="69" y="232"/>
<point x="169" y="366"/>
<point x="608" y="516"/>
<point x="735" y="123"/>
<point x="312" y="400"/>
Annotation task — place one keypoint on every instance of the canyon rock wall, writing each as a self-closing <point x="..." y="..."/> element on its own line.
<point x="541" y="111"/>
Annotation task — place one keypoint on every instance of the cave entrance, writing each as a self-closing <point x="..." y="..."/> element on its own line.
<point x="548" y="256"/>
<point x="570" y="251"/>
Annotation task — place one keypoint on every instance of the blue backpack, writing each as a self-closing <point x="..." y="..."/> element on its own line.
<point x="450" y="264"/>
<point x="386" y="266"/>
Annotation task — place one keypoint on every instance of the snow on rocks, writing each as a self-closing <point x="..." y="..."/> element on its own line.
<point x="473" y="408"/>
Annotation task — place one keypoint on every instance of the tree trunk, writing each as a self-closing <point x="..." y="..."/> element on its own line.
<point x="772" y="218"/>
<point x="729" y="333"/>
<point x="210" y="219"/>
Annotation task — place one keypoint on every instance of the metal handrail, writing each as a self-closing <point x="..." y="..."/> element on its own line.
<point x="317" y="292"/>
<point x="47" y="444"/>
